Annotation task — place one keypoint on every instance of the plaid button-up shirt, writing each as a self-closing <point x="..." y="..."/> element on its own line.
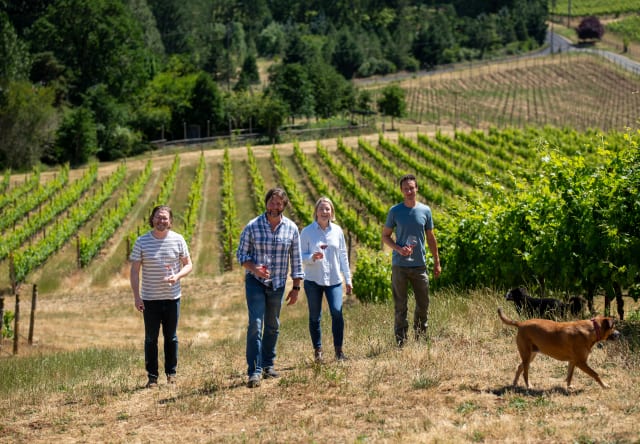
<point x="281" y="244"/>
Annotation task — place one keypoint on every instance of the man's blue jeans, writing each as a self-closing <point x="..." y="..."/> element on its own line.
<point x="314" y="294"/>
<point x="263" y="304"/>
<point x="163" y="313"/>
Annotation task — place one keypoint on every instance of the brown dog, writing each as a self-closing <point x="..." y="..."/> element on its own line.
<point x="564" y="341"/>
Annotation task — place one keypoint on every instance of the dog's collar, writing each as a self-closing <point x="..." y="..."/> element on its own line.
<point x="597" y="328"/>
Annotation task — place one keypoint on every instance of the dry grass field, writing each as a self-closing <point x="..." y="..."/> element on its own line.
<point x="83" y="379"/>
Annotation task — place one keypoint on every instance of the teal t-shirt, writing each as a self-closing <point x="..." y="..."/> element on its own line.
<point x="406" y="221"/>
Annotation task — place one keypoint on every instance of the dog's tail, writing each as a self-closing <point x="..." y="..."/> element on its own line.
<point x="505" y="319"/>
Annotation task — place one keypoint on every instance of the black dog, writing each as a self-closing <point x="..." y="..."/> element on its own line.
<point x="543" y="307"/>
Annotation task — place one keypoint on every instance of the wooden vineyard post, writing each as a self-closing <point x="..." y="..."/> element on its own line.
<point x="1" y="319"/>
<point x="16" y="322"/>
<point x="230" y="257"/>
<point x="34" y="299"/>
<point x="78" y="262"/>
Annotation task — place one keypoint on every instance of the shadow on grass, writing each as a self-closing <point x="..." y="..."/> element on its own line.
<point x="519" y="390"/>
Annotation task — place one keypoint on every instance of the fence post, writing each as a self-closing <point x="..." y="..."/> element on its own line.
<point x="1" y="319"/>
<point x="78" y="262"/>
<point x="230" y="257"/>
<point x="32" y="318"/>
<point x="16" y="323"/>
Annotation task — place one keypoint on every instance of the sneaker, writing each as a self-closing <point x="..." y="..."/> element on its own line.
<point x="171" y="379"/>
<point x="152" y="382"/>
<point x="269" y="372"/>
<point x="340" y="356"/>
<point x="254" y="381"/>
<point x="317" y="355"/>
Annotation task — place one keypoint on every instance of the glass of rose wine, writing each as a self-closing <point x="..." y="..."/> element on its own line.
<point x="169" y="263"/>
<point x="322" y="245"/>
<point x="412" y="241"/>
<point x="265" y="265"/>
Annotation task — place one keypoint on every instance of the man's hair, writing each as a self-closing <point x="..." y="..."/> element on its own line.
<point x="156" y="210"/>
<point x="282" y="194"/>
<point x="408" y="177"/>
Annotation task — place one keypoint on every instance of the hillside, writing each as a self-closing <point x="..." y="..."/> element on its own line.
<point x="82" y="379"/>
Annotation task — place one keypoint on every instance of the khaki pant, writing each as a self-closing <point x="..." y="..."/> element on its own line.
<point x="401" y="277"/>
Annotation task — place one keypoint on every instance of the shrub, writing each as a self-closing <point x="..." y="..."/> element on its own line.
<point x="590" y="28"/>
<point x="7" y="328"/>
<point x="372" y="278"/>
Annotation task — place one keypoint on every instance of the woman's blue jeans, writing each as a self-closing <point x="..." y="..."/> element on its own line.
<point x="163" y="313"/>
<point x="314" y="294"/>
<point x="263" y="304"/>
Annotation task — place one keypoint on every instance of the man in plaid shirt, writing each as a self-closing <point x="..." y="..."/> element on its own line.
<point x="267" y="244"/>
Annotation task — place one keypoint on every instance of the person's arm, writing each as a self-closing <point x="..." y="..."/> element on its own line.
<point x="433" y="248"/>
<point x="389" y="242"/>
<point x="344" y="263"/>
<point x="187" y="267"/>
<point x="306" y="251"/>
<point x="297" y="273"/>
<point x="134" y="280"/>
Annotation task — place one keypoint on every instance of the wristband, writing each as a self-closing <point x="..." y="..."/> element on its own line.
<point x="296" y="288"/>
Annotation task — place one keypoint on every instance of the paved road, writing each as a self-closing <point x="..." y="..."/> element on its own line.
<point x="556" y="44"/>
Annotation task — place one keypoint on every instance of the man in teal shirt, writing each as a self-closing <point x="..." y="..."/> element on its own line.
<point x="413" y="224"/>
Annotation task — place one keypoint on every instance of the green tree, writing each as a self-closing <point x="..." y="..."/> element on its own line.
<point x="347" y="56"/>
<point x="242" y="109"/>
<point x="97" y="42"/>
<point x="291" y="84"/>
<point x="111" y="118"/>
<point x="392" y="102"/>
<point x="432" y="40"/>
<point x="206" y="103"/>
<point x="249" y="74"/>
<point x="15" y="60"/>
<point x="272" y="40"/>
<point x="330" y="89"/>
<point x="165" y="103"/>
<point x="77" y="140"/>
<point x="28" y="122"/>
<point x="151" y="36"/>
<point x="272" y="114"/>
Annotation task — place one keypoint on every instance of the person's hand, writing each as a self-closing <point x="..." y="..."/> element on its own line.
<point x="437" y="270"/>
<point x="349" y="289"/>
<point x="139" y="304"/>
<point x="317" y="255"/>
<point x="292" y="297"/>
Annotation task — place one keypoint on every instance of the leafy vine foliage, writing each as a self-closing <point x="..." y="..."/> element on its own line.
<point x="574" y="226"/>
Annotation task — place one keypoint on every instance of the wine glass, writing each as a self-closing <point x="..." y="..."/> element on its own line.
<point x="412" y="241"/>
<point x="265" y="265"/>
<point x="169" y="263"/>
<point x="322" y="245"/>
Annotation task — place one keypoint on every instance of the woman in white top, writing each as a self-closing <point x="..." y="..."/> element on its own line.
<point x="325" y="259"/>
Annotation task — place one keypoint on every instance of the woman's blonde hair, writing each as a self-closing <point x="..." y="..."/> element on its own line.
<point x="322" y="200"/>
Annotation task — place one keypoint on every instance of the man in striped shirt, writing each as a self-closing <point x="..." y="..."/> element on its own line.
<point x="163" y="257"/>
<point x="268" y="244"/>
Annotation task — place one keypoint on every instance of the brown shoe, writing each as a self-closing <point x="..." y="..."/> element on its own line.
<point x="340" y="356"/>
<point x="317" y="355"/>
<point x="171" y="379"/>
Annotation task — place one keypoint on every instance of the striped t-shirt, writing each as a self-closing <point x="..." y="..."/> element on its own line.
<point x="159" y="258"/>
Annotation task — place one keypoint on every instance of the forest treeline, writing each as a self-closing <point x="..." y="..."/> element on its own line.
<point x="103" y="78"/>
